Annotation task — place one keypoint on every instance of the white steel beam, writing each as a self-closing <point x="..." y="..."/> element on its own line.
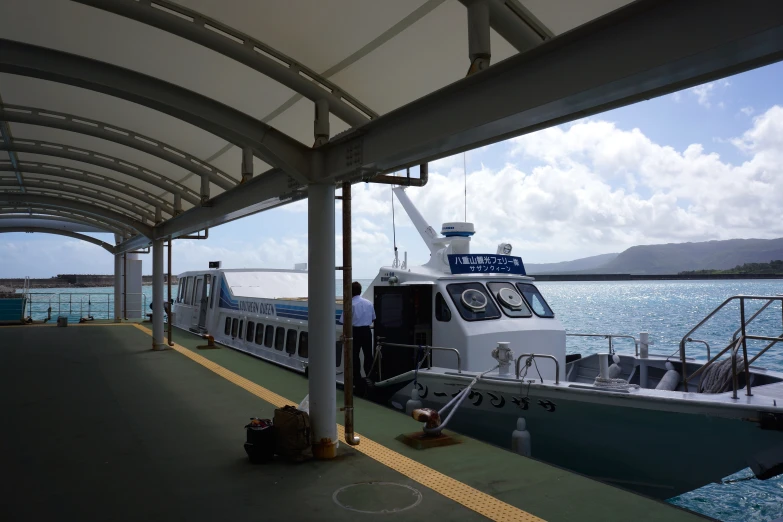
<point x="58" y="150"/>
<point x="269" y="144"/>
<point x="37" y="186"/>
<point x="243" y="48"/>
<point x="56" y="231"/>
<point x="91" y="178"/>
<point x="68" y="204"/>
<point x="31" y="212"/>
<point x="646" y="49"/>
<point x="109" y="132"/>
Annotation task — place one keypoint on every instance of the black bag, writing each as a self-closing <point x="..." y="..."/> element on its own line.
<point x="260" y="443"/>
<point x="292" y="433"/>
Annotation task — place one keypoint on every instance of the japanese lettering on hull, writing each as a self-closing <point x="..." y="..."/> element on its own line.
<point x="486" y="264"/>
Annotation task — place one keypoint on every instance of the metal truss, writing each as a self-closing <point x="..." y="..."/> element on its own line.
<point x="44" y="230"/>
<point x="268" y="190"/>
<point x="267" y="143"/>
<point x="91" y="178"/>
<point x="39" y="186"/>
<point x="58" y="150"/>
<point x="61" y="202"/>
<point x="516" y="24"/>
<point x="49" y="221"/>
<point x="107" y="131"/>
<point x="214" y="35"/>
<point x="22" y="212"/>
<point x="646" y="49"/>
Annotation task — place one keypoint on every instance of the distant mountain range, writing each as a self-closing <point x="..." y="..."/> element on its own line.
<point x="670" y="258"/>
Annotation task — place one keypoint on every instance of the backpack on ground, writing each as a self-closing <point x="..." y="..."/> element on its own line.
<point x="292" y="433"/>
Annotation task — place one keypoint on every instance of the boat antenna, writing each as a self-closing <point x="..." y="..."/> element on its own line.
<point x="396" y="262"/>
<point x="465" y="172"/>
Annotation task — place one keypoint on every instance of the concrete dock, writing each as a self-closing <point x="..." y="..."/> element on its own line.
<point x="99" y="427"/>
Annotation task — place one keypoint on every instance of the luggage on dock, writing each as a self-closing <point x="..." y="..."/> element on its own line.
<point x="260" y="443"/>
<point x="292" y="433"/>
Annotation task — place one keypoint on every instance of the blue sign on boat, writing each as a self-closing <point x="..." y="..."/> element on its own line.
<point x="486" y="264"/>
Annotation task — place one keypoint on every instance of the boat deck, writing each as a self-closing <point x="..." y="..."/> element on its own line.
<point x="99" y="427"/>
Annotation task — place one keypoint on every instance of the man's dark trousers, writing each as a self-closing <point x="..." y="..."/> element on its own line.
<point x="362" y="342"/>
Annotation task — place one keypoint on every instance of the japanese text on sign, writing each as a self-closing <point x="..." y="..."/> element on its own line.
<point x="486" y="264"/>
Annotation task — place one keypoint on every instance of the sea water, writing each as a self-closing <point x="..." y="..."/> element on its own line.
<point x="665" y="309"/>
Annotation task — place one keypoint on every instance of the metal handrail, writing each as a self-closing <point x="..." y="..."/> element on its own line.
<point x="735" y="342"/>
<point x="380" y="345"/>
<point x="752" y="317"/>
<point x="532" y="356"/>
<point x="705" y="343"/>
<point x="72" y="304"/>
<point x="610" y="337"/>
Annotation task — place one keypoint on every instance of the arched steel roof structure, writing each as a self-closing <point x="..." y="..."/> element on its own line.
<point x="59" y="232"/>
<point x="169" y="117"/>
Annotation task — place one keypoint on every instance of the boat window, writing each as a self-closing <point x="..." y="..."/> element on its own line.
<point x="442" y="312"/>
<point x="234" y="327"/>
<point x="189" y="297"/>
<point x="269" y="335"/>
<point x="228" y="326"/>
<point x="251" y="330"/>
<point x="184" y="290"/>
<point x="259" y="333"/>
<point x="179" y="291"/>
<point x="241" y="324"/>
<point x="279" y="338"/>
<point x="535" y="300"/>
<point x="472" y="301"/>
<point x="211" y="292"/>
<point x="303" y="348"/>
<point x="290" y="341"/>
<point x="510" y="301"/>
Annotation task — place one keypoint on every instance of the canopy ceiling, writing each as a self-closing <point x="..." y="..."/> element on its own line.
<point x="225" y="76"/>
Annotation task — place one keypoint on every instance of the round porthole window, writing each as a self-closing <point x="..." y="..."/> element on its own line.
<point x="475" y="300"/>
<point x="510" y="298"/>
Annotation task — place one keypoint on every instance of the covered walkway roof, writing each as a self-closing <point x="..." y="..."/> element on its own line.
<point x="144" y="117"/>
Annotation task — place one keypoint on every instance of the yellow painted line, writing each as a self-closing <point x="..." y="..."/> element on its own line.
<point x="470" y="497"/>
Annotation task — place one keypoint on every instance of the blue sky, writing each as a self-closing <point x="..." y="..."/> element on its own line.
<point x="704" y="163"/>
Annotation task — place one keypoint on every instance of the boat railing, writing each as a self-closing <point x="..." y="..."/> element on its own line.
<point x="611" y="338"/>
<point x="735" y="343"/>
<point x="531" y="357"/>
<point x="98" y="305"/>
<point x="380" y="344"/>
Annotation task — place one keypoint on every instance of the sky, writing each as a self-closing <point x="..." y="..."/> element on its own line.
<point x="702" y="164"/>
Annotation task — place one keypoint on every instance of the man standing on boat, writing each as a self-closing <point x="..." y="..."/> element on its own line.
<point x="363" y="317"/>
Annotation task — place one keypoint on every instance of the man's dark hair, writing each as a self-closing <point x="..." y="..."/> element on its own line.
<point x="356" y="288"/>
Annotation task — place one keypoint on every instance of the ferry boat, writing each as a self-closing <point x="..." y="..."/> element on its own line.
<point x="446" y="332"/>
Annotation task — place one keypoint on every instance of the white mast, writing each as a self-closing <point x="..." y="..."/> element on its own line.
<point x="427" y="233"/>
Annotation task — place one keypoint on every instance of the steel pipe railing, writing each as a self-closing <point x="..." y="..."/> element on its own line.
<point x="532" y="356"/>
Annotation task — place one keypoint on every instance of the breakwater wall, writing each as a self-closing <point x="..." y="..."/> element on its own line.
<point x="72" y="281"/>
<point x="654" y="277"/>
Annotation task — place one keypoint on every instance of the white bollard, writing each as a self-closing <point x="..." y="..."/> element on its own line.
<point x="603" y="365"/>
<point x="520" y="439"/>
<point x="644" y="345"/>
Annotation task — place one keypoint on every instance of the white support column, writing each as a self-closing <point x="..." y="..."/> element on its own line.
<point x="118" y="288"/>
<point x="321" y="319"/>
<point x="157" y="295"/>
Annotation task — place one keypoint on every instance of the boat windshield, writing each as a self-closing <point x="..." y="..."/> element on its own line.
<point x="535" y="300"/>
<point x="510" y="301"/>
<point x="473" y="301"/>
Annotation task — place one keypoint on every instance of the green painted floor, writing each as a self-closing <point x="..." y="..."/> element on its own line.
<point x="98" y="427"/>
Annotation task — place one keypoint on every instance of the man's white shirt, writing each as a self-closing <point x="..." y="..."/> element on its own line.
<point x="363" y="312"/>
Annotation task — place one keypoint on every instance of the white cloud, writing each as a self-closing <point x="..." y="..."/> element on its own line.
<point x="703" y="93"/>
<point x="747" y="111"/>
